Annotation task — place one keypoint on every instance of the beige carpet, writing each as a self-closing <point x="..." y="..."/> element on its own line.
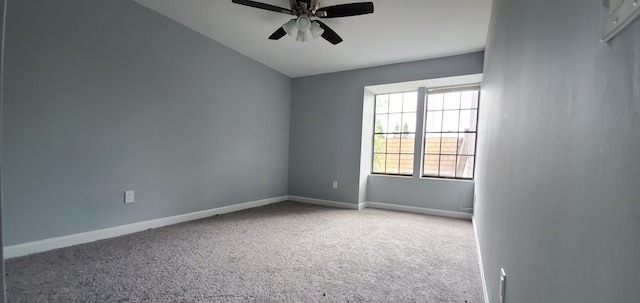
<point x="284" y="252"/>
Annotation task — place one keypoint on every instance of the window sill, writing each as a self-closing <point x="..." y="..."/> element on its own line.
<point x="391" y="176"/>
<point x="447" y="179"/>
<point x="429" y="179"/>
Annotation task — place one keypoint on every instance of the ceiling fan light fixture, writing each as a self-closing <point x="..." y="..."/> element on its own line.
<point x="316" y="30"/>
<point x="304" y="36"/>
<point x="303" y="23"/>
<point x="291" y="28"/>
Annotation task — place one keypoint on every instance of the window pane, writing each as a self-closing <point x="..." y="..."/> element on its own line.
<point x="409" y="123"/>
<point x="475" y="100"/>
<point x="379" y="144"/>
<point x="468" y="120"/>
<point x="382" y="104"/>
<point x="431" y="165"/>
<point x="450" y="121"/>
<point x="395" y="103"/>
<point x="410" y="102"/>
<point x="469" y="99"/>
<point x="450" y="133"/>
<point x="378" y="163"/>
<point x="393" y="144"/>
<point x="432" y="143"/>
<point x="449" y="145"/>
<point x="434" y="102"/>
<point x="395" y="123"/>
<point x="467" y="144"/>
<point x="452" y="100"/>
<point x="434" y="121"/>
<point x="465" y="167"/>
<point x="407" y="144"/>
<point x="393" y="164"/>
<point x="381" y="123"/>
<point x="447" y="166"/>
<point x="406" y="164"/>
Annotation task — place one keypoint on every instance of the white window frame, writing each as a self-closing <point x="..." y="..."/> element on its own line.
<point x="458" y="154"/>
<point x="400" y="133"/>
<point x="368" y="120"/>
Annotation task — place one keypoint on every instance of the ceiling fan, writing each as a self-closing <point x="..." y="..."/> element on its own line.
<point x="306" y="26"/>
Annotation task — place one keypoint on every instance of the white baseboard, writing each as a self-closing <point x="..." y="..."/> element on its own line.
<point x="90" y="236"/>
<point x="482" y="278"/>
<point x="324" y="202"/>
<point x="419" y="210"/>
<point x="369" y="204"/>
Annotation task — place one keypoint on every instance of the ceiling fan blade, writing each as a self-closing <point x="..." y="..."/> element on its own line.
<point x="345" y="10"/>
<point x="329" y="34"/>
<point x="264" y="6"/>
<point x="278" y="34"/>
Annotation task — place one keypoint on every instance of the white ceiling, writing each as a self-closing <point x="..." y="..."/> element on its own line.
<point x="398" y="31"/>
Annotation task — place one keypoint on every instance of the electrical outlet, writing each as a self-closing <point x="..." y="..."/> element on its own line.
<point x="503" y="285"/>
<point x="129" y="196"/>
<point x="334" y="185"/>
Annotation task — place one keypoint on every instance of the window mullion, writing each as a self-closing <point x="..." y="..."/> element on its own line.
<point x="418" y="150"/>
<point x="455" y="168"/>
<point x="386" y="140"/>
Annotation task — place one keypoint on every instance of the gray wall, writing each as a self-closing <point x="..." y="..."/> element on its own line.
<point x="439" y="194"/>
<point x="105" y="96"/>
<point x="558" y="174"/>
<point x="326" y="122"/>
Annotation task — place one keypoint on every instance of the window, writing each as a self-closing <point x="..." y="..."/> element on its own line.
<point x="446" y="139"/>
<point x="450" y="132"/>
<point x="395" y="133"/>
